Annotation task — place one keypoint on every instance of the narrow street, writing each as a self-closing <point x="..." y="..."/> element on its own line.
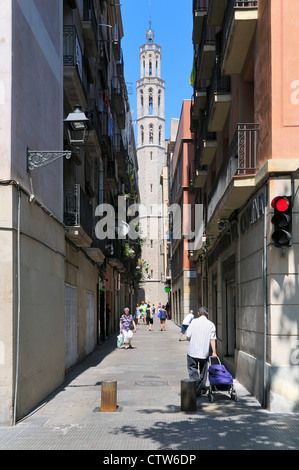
<point x="148" y="415"/>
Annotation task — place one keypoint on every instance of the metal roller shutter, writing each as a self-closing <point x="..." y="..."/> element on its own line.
<point x="90" y="323"/>
<point x="71" y="325"/>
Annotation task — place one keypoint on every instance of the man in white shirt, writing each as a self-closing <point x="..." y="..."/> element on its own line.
<point x="186" y="322"/>
<point x="202" y="335"/>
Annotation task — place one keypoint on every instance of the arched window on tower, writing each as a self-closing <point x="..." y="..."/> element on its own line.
<point x="144" y="68"/>
<point x="150" y="102"/>
<point x="156" y="68"/>
<point x="141" y="102"/>
<point x="159" y="102"/>
<point x="151" y="134"/>
<point x="142" y="135"/>
<point x="150" y="68"/>
<point x="160" y="134"/>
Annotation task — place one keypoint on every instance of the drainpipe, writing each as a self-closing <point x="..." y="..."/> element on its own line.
<point x="19" y="306"/>
<point x="265" y="302"/>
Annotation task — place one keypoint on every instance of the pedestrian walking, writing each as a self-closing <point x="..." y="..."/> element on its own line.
<point x="163" y="317"/>
<point x="149" y="318"/>
<point x="137" y="314"/>
<point x="127" y="326"/>
<point x="186" y="322"/>
<point x="202" y="336"/>
<point x="142" y="309"/>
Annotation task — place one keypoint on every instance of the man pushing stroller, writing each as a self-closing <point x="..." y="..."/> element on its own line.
<point x="202" y="335"/>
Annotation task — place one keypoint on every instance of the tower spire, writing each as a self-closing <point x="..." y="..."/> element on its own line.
<point x="150" y="33"/>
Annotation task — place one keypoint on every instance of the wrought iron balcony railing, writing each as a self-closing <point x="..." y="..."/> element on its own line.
<point x="241" y="160"/>
<point x="219" y="84"/>
<point x="77" y="210"/>
<point x="72" y="53"/>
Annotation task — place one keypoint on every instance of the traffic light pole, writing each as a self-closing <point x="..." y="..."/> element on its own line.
<point x="265" y="300"/>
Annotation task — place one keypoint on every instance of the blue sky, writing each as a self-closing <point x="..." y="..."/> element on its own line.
<point x="172" y="23"/>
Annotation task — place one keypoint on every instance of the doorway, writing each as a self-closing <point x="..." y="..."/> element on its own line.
<point x="230" y="318"/>
<point x="229" y="285"/>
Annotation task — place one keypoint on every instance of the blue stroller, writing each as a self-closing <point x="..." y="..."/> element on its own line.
<point x="220" y="380"/>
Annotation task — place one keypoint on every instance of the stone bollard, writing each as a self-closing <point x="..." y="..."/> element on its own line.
<point x="188" y="395"/>
<point x="109" y="396"/>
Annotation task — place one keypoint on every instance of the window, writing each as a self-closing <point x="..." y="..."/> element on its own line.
<point x="150" y="102"/>
<point x="141" y="102"/>
<point x="159" y="102"/>
<point x="160" y="134"/>
<point x="142" y="135"/>
<point x="151" y="134"/>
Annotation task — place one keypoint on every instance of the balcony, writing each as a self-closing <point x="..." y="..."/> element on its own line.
<point x="200" y="95"/>
<point x="193" y="117"/>
<point x="90" y="28"/>
<point x="207" y="53"/>
<point x="118" y="102"/>
<point x="199" y="12"/>
<point x="78" y="216"/>
<point x="100" y="137"/>
<point x="116" y="42"/>
<point x="235" y="180"/>
<point x="120" y="66"/>
<point x="119" y="154"/>
<point x="207" y="143"/>
<point x="94" y="135"/>
<point x="114" y="254"/>
<point x="216" y="12"/>
<point x="200" y="177"/>
<point x="112" y="174"/>
<point x="239" y="30"/>
<point x="106" y="130"/>
<point x="219" y="99"/>
<point x="97" y="250"/>
<point x="74" y="68"/>
<point x="103" y="63"/>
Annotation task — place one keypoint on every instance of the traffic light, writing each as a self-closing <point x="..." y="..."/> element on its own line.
<point x="282" y="221"/>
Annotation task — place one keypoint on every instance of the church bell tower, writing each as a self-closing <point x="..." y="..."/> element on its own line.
<point x="151" y="158"/>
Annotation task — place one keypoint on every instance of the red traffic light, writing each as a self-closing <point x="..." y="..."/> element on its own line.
<point x="280" y="203"/>
<point x="282" y="221"/>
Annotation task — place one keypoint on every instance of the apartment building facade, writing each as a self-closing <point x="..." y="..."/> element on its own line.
<point x="181" y="219"/>
<point x="244" y="121"/>
<point x="64" y="285"/>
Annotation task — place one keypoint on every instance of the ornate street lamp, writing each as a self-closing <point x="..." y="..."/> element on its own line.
<point x="77" y="125"/>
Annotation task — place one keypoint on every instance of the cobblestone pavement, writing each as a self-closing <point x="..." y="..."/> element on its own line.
<point x="148" y="415"/>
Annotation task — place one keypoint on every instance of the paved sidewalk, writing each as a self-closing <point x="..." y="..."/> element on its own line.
<point x="149" y="415"/>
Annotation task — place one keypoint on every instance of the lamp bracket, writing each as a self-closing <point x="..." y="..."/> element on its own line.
<point x="41" y="158"/>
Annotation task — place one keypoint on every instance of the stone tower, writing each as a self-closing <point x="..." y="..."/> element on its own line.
<point x="151" y="158"/>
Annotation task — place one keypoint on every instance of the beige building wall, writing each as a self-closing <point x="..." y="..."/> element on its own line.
<point x="7" y="238"/>
<point x="31" y="231"/>
<point x="41" y="321"/>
